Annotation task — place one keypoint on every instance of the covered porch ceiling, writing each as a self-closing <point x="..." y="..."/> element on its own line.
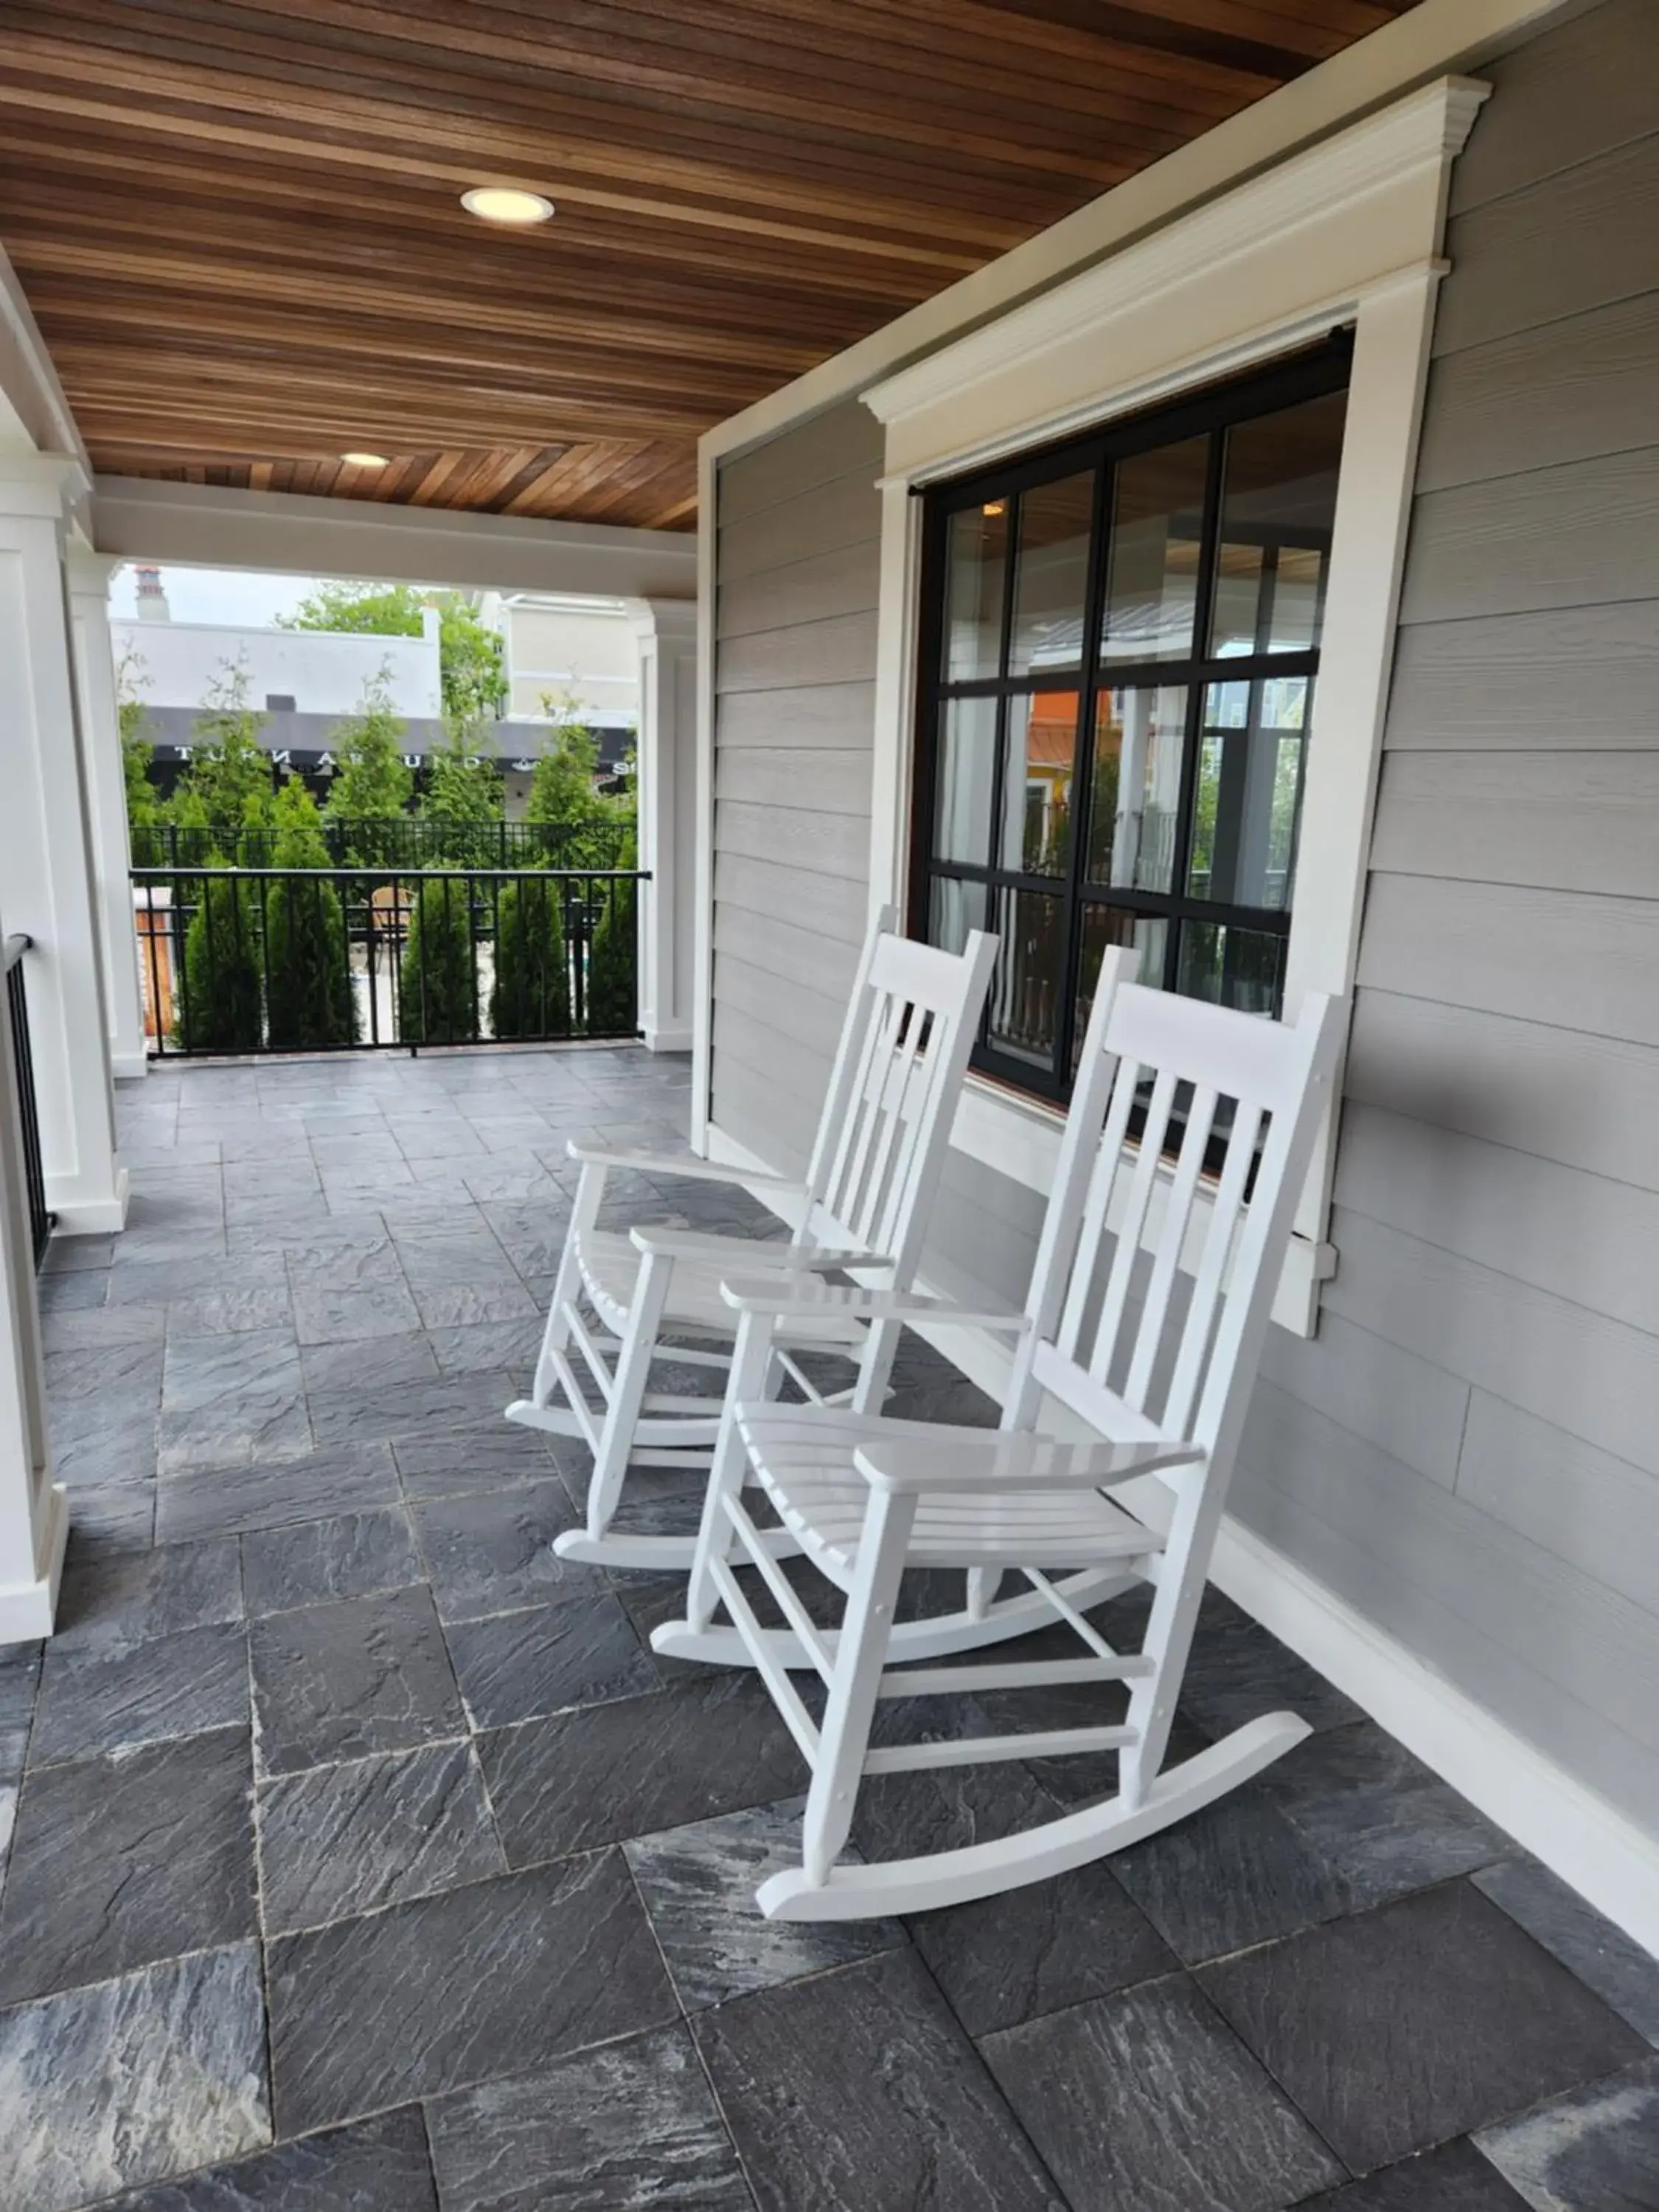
<point x="238" y="225"/>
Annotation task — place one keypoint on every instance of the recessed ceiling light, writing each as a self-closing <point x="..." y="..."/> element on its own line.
<point x="504" y="204"/>
<point x="364" y="460"/>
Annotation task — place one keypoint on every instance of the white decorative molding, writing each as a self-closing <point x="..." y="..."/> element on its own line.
<point x="1389" y="153"/>
<point x="1592" y="1845"/>
<point x="1435" y="38"/>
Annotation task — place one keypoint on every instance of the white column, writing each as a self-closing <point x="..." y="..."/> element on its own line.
<point x="33" y="1520"/>
<point x="667" y="634"/>
<point x="45" y="853"/>
<point x="105" y="776"/>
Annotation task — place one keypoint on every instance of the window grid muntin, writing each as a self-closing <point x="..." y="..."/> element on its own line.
<point x="1323" y="370"/>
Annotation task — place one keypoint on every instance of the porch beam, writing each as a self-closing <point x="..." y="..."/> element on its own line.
<point x="213" y="527"/>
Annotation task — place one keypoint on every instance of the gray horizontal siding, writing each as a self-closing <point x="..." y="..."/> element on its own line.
<point x="1564" y="820"/>
<point x="1565" y="678"/>
<point x="1468" y="1453"/>
<point x="798" y="562"/>
<point x="1489" y="1075"/>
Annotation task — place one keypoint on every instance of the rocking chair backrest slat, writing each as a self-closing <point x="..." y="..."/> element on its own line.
<point x="1212" y="1272"/>
<point x="854" y="1050"/>
<point x="1113" y="1335"/>
<point x="903" y="1053"/>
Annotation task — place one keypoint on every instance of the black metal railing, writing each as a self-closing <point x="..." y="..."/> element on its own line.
<point x="35" y="1179"/>
<point x="406" y="841"/>
<point x="269" y="960"/>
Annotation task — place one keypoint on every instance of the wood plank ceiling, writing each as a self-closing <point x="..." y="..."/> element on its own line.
<point x="238" y="220"/>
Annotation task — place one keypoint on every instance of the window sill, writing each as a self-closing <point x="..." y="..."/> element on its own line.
<point x="1020" y="1139"/>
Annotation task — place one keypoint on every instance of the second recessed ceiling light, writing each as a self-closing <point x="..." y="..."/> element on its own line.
<point x="504" y="204"/>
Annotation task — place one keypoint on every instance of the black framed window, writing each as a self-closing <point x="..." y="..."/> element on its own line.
<point x="1120" y="642"/>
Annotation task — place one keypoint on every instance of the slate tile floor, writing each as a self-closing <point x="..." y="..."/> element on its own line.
<point x="362" y="1858"/>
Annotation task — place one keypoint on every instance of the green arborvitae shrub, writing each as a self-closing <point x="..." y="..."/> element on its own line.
<point x="438" y="986"/>
<point x="531" y="995"/>
<point x="219" y="997"/>
<point x="612" y="960"/>
<point x="309" y="999"/>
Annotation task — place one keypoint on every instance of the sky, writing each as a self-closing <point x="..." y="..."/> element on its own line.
<point x="242" y="595"/>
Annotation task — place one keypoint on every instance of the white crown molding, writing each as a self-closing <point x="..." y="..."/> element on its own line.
<point x="1390" y="152"/>
<point x="34" y="412"/>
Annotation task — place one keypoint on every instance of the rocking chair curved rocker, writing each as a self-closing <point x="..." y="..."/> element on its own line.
<point x="1228" y="1106"/>
<point x="863" y="1205"/>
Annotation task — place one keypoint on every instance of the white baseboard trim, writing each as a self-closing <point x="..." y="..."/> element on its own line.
<point x="1590" y="1843"/>
<point x="27" y="1610"/>
<point x="677" y="1039"/>
<point x="89" y="1217"/>
<point x="129" y="1066"/>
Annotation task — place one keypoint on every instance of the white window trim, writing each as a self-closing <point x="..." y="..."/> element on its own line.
<point x="1350" y="231"/>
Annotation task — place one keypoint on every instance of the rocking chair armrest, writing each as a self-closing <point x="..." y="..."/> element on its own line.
<point x="981" y="1460"/>
<point x="748" y="1251"/>
<point x="695" y="1170"/>
<point x="754" y="1294"/>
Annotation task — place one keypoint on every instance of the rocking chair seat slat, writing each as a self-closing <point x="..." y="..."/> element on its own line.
<point x="802" y="1456"/>
<point x="610" y="1267"/>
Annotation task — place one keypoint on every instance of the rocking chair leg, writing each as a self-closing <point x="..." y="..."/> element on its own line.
<point x="628" y="1391"/>
<point x="753" y="1369"/>
<point x="557" y="1335"/>
<point x="861" y="1654"/>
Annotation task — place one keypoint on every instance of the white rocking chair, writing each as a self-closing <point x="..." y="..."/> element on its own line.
<point x="866" y="1496"/>
<point x="880" y="1144"/>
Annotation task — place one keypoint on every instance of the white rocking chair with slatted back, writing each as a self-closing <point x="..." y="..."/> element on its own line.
<point x="880" y="1144"/>
<point x="1162" y="1382"/>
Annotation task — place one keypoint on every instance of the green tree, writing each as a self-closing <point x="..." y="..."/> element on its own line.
<point x="230" y="771"/>
<point x="309" y="999"/>
<point x="530" y="995"/>
<point x="612" y="960"/>
<point x="585" y="830"/>
<point x="371" y="783"/>
<point x="438" y="986"/>
<point x="472" y="657"/>
<point x="143" y="802"/>
<point x="464" y="792"/>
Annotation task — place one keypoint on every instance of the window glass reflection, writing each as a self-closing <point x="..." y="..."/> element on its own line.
<point x="1025" y="988"/>
<point x="1246" y="799"/>
<point x="1036" y="791"/>
<point x="954" y="909"/>
<point x="1112" y="925"/>
<point x="1055" y="523"/>
<point x="967" y="762"/>
<point x="976" y="560"/>
<point x="1158" y="522"/>
<point x="1278" y="504"/>
<point x="1134" y="785"/>
<point x="1240" y="967"/>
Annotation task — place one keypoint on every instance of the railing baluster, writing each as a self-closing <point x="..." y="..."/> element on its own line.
<point x="387" y="908"/>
